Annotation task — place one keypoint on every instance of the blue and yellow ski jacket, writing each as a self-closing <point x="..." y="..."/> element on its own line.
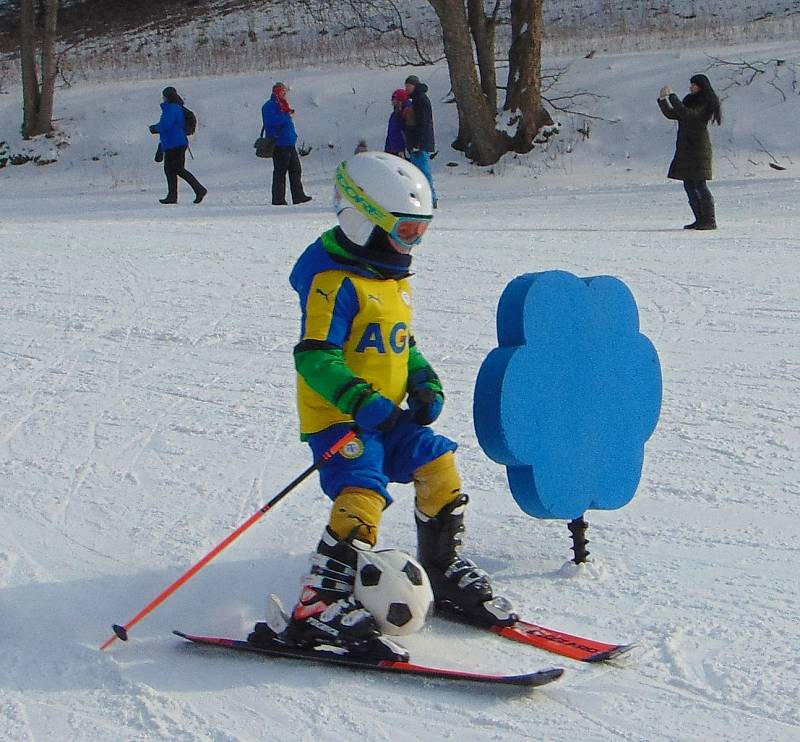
<point x="356" y="338"/>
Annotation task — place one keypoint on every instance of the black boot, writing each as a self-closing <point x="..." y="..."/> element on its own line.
<point x="459" y="586"/>
<point x="695" y="204"/>
<point x="708" y="218"/>
<point x="327" y="613"/>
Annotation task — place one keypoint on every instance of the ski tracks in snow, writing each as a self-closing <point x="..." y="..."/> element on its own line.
<point x="148" y="408"/>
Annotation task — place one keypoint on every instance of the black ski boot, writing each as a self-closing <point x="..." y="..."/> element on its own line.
<point x="459" y="586"/>
<point x="327" y="613"/>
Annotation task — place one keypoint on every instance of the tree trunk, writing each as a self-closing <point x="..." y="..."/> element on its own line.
<point x="476" y="118"/>
<point x="524" y="91"/>
<point x="30" y="80"/>
<point x="44" y="118"/>
<point x="482" y="28"/>
<point x="37" y="103"/>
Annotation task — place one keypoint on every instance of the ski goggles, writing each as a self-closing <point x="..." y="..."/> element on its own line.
<point x="405" y="229"/>
<point x="408" y="231"/>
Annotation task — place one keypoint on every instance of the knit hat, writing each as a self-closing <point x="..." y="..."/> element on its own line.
<point x="278" y="85"/>
<point x="400" y="94"/>
<point x="412" y="79"/>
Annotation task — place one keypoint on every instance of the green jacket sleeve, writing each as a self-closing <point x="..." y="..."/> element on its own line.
<point x="420" y="373"/>
<point x="328" y="313"/>
<point x="323" y="368"/>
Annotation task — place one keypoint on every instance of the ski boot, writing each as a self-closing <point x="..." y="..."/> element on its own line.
<point x="327" y="613"/>
<point x="459" y="586"/>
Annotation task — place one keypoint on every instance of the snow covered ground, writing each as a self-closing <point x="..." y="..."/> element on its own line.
<point x="147" y="409"/>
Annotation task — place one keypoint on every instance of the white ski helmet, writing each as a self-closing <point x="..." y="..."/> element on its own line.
<point x="378" y="189"/>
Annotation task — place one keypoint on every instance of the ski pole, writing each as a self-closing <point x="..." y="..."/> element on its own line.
<point x="121" y="632"/>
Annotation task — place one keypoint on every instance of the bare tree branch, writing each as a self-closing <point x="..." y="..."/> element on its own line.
<point x="383" y="19"/>
<point x="746" y="72"/>
<point x="564" y="101"/>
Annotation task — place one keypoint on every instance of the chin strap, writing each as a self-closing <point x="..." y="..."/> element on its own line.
<point x="377" y="253"/>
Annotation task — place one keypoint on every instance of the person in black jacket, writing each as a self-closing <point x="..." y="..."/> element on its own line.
<point x="419" y="129"/>
<point x="693" y="155"/>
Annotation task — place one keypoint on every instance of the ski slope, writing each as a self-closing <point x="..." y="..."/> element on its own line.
<point x="147" y="409"/>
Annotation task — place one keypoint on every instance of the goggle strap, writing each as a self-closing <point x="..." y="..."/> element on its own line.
<point x="367" y="206"/>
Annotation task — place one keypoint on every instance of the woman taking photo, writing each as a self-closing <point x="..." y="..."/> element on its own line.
<point x="692" y="161"/>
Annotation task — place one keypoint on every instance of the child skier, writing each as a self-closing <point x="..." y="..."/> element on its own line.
<point x="357" y="361"/>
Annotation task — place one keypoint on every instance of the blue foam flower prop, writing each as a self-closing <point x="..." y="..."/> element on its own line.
<point x="570" y="396"/>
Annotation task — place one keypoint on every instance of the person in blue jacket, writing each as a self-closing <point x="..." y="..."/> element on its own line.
<point x="276" y="115"/>
<point x="174" y="142"/>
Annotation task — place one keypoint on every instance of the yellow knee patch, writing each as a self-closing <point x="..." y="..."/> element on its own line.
<point x="437" y="484"/>
<point x="356" y="514"/>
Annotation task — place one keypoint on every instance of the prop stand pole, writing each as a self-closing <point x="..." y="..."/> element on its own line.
<point x="577" y="528"/>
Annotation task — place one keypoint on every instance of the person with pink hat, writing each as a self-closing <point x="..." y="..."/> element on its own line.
<point x="395" y="134"/>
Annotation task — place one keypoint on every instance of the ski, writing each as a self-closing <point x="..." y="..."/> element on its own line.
<point x="337" y="656"/>
<point x="559" y="642"/>
<point x="551" y="640"/>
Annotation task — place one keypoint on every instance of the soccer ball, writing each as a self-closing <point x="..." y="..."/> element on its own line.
<point x="395" y="589"/>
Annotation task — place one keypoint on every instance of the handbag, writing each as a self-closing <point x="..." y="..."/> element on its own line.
<point x="159" y="156"/>
<point x="264" y="145"/>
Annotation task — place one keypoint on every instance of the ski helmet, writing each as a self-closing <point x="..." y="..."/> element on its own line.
<point x="379" y="190"/>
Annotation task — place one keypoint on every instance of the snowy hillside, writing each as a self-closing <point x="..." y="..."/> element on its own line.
<point x="147" y="409"/>
<point x="105" y="40"/>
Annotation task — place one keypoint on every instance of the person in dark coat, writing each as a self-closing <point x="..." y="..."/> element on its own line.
<point x="395" y="131"/>
<point x="276" y="115"/>
<point x="692" y="161"/>
<point x="419" y="129"/>
<point x="174" y="142"/>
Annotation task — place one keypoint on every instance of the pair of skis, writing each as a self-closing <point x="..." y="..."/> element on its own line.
<point x="558" y="642"/>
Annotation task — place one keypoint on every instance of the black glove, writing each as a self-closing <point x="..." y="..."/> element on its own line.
<point x="425" y="405"/>
<point x="153" y="128"/>
<point x="377" y="413"/>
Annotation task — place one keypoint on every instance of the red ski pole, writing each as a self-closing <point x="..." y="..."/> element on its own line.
<point x="121" y="632"/>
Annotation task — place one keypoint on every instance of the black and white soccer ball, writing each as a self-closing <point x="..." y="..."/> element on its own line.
<point x="395" y="589"/>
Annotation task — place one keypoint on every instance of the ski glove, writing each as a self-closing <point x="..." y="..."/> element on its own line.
<point x="425" y="405"/>
<point x="377" y="413"/>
